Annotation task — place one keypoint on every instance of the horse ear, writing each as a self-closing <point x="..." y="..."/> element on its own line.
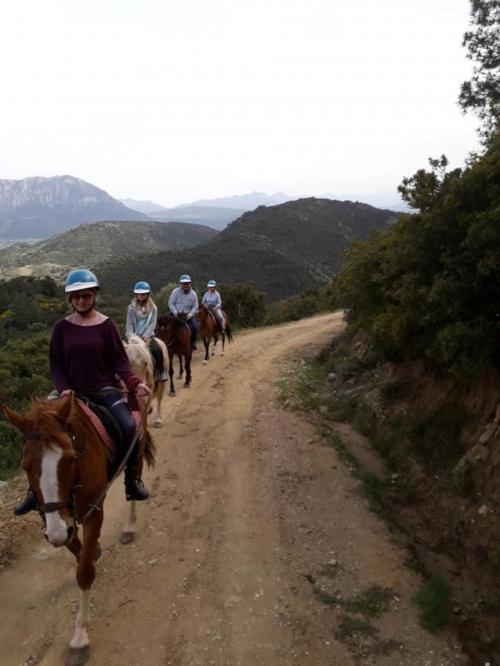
<point x="20" y="422"/>
<point x="64" y="410"/>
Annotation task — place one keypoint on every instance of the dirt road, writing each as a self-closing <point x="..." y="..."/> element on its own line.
<point x="254" y="549"/>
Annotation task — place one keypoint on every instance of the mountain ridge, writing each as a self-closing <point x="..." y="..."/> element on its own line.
<point x="282" y="250"/>
<point x="98" y="242"/>
<point x="39" y="207"/>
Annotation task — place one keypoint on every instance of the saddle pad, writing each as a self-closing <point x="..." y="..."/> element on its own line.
<point x="99" y="427"/>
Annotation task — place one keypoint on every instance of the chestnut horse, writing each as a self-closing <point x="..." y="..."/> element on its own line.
<point x="176" y="334"/>
<point x="67" y="467"/>
<point x="142" y="365"/>
<point x="209" y="329"/>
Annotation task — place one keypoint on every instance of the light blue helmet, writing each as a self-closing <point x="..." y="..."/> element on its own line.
<point x="80" y="278"/>
<point x="142" y="288"/>
<point x="184" y="278"/>
<point x="211" y="283"/>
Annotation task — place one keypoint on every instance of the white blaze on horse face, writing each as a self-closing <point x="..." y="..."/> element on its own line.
<point x="56" y="529"/>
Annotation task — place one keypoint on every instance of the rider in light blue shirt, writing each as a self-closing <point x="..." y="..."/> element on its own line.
<point x="213" y="301"/>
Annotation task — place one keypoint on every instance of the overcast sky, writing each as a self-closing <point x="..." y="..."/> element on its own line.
<point x="177" y="100"/>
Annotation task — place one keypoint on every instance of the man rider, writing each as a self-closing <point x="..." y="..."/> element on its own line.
<point x="184" y="301"/>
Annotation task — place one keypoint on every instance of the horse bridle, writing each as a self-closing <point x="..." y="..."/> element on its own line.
<point x="52" y="507"/>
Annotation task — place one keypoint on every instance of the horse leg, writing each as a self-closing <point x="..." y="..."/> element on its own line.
<point x="78" y="651"/>
<point x="216" y="340"/>
<point x="206" y="344"/>
<point x="223" y="338"/>
<point x="159" y="397"/>
<point x="171" y="374"/>
<point x="128" y="531"/>
<point x="181" y="368"/>
<point x="187" y="383"/>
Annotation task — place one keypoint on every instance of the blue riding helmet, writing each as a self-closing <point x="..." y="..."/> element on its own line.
<point x="184" y="278"/>
<point x="80" y="278"/>
<point x="142" y="288"/>
<point x="211" y="283"/>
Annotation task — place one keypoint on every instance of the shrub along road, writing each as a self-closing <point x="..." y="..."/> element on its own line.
<point x="255" y="548"/>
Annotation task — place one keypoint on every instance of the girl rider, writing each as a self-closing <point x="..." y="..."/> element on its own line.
<point x="141" y="320"/>
<point x="87" y="356"/>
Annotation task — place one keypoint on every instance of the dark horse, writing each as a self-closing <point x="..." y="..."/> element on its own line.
<point x="176" y="334"/>
<point x="66" y="462"/>
<point x="209" y="328"/>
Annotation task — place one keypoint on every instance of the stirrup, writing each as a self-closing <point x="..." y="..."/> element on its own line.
<point x="28" y="504"/>
<point x="135" y="491"/>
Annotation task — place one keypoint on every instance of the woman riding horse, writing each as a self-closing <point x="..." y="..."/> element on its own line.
<point x="213" y="301"/>
<point x="141" y="320"/>
<point x="87" y="357"/>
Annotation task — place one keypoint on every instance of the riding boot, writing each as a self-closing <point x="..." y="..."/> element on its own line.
<point x="28" y="504"/>
<point x="134" y="487"/>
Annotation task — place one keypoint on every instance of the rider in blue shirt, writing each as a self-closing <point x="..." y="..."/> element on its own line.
<point x="213" y="302"/>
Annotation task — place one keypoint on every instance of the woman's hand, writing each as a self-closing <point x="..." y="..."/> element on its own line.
<point x="141" y="390"/>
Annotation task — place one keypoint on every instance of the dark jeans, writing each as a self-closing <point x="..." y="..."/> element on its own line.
<point x="117" y="405"/>
<point x="194" y="330"/>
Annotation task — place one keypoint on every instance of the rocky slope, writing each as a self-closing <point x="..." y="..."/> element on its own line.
<point x="41" y="207"/>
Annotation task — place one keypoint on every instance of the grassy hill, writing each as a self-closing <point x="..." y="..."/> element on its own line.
<point x="282" y="250"/>
<point x="97" y="243"/>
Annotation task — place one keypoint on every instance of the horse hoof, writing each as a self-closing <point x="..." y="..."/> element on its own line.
<point x="77" y="656"/>
<point x="222" y="353"/>
<point x="157" y="424"/>
<point x="172" y="393"/>
<point x="126" y="538"/>
<point x="205" y="361"/>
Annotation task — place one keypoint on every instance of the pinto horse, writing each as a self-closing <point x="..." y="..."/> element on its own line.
<point x="141" y="363"/>
<point x="209" y="329"/>
<point x="66" y="462"/>
<point x="176" y="335"/>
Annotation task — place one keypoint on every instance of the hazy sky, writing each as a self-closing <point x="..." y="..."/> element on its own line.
<point x="180" y="100"/>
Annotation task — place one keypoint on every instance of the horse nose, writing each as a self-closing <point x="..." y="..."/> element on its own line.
<point x="70" y="532"/>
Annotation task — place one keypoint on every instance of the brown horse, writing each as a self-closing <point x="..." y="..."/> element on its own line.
<point x="175" y="333"/>
<point x="209" y="329"/>
<point x="142" y="366"/>
<point x="67" y="466"/>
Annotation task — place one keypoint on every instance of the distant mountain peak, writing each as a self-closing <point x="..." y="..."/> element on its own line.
<point x="38" y="206"/>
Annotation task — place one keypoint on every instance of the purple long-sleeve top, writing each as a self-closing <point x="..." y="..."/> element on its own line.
<point x="88" y="358"/>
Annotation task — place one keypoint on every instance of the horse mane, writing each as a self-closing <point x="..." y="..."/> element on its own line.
<point x="47" y="423"/>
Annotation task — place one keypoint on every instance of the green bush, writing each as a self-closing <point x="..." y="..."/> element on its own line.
<point x="434" y="604"/>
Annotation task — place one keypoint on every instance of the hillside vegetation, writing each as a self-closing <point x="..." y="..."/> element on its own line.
<point x="92" y="244"/>
<point x="430" y="287"/>
<point x="281" y="250"/>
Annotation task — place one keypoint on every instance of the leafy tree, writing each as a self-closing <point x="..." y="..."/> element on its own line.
<point x="431" y="286"/>
<point x="482" y="93"/>
<point x="245" y="305"/>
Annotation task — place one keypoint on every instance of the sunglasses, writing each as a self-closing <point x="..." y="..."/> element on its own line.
<point x="85" y="297"/>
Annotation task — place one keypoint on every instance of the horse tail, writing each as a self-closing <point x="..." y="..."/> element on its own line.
<point x="228" y="333"/>
<point x="149" y="449"/>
